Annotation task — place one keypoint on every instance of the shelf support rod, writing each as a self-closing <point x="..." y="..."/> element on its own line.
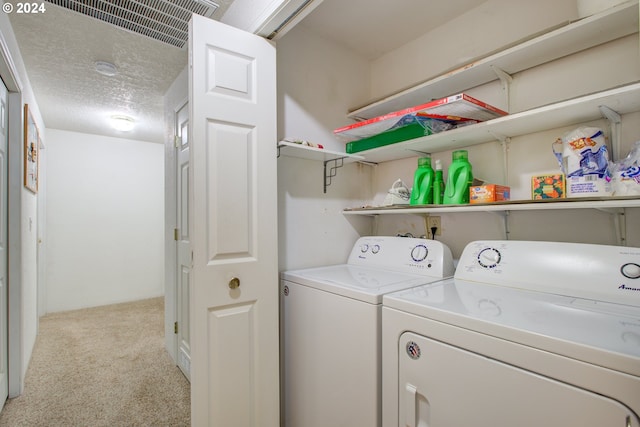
<point x="504" y="142"/>
<point x="506" y="81"/>
<point x="505" y="220"/>
<point x="331" y="171"/>
<point x="619" y="223"/>
<point x="507" y="232"/>
<point x="615" y="121"/>
<point x="375" y="225"/>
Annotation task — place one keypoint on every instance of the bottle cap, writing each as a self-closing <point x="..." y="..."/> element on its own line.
<point x="438" y="165"/>
<point x="424" y="161"/>
<point x="460" y="154"/>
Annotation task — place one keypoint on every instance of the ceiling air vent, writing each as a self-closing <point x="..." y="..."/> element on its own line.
<point x="164" y="20"/>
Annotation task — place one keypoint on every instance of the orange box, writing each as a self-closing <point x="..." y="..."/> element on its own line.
<point x="548" y="187"/>
<point x="488" y="193"/>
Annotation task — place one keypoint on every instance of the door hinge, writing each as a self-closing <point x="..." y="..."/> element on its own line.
<point x="175" y="327"/>
<point x="177" y="140"/>
<point x="175" y="234"/>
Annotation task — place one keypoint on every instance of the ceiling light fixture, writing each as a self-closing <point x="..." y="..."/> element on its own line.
<point x="106" y="68"/>
<point x="122" y="123"/>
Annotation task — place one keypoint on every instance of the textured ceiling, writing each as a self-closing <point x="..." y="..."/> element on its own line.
<point x="60" y="47"/>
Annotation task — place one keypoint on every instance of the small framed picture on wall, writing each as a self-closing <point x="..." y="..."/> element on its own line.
<point x="31" y="151"/>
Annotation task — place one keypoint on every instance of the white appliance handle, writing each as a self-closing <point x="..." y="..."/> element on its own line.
<point x="410" y="405"/>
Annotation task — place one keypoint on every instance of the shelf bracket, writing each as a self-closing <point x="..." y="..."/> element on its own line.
<point x="364" y="162"/>
<point x="619" y="223"/>
<point x="505" y="221"/>
<point x="331" y="171"/>
<point x="504" y="142"/>
<point x="506" y="81"/>
<point x="420" y="152"/>
<point x="615" y="122"/>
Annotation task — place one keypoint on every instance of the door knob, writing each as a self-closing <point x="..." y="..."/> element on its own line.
<point x="234" y="283"/>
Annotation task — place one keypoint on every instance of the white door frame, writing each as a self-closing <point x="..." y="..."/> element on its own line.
<point x="9" y="75"/>
<point x="174" y="313"/>
<point x="4" y="222"/>
<point x="182" y="241"/>
<point x="176" y="97"/>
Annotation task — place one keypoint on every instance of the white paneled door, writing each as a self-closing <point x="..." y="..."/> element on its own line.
<point x="233" y="208"/>
<point x="4" y="383"/>
<point x="183" y="279"/>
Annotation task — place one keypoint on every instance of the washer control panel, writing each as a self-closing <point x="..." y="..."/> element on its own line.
<point x="365" y="247"/>
<point x="598" y="272"/>
<point x="403" y="254"/>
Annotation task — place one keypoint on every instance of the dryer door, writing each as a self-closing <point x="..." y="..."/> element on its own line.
<point x="441" y="386"/>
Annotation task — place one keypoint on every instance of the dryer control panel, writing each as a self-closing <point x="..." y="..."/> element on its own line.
<point x="598" y="272"/>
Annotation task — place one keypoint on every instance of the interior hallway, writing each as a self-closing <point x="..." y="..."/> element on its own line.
<point x="102" y="366"/>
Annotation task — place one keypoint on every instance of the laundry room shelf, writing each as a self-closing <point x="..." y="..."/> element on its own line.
<point x="623" y="100"/>
<point x="291" y="149"/>
<point x="332" y="160"/>
<point x="611" y="24"/>
<point x="517" y="205"/>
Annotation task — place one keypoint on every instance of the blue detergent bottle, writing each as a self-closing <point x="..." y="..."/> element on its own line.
<point x="422" y="191"/>
<point x="459" y="180"/>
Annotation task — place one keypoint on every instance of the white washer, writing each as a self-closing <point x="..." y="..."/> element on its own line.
<point x="525" y="334"/>
<point x="331" y="329"/>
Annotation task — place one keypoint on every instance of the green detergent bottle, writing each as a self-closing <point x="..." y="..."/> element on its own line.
<point x="438" y="185"/>
<point x="422" y="191"/>
<point x="459" y="179"/>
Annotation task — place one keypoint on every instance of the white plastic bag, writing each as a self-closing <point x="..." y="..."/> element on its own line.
<point x="626" y="174"/>
<point x="584" y="159"/>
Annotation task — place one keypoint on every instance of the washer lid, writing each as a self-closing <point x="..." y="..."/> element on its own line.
<point x="597" y="332"/>
<point x="363" y="283"/>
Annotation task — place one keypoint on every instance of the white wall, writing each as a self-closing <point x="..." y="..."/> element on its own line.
<point x="317" y="82"/>
<point x="575" y="75"/>
<point x="470" y="36"/>
<point x="568" y="77"/>
<point x="105" y="220"/>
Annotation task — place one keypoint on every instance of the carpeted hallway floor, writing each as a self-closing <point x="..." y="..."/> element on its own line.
<point x="104" y="366"/>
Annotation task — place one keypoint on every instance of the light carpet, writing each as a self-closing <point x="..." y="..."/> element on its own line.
<point x="103" y="366"/>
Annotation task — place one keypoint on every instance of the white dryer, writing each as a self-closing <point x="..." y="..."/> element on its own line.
<point x="331" y="329"/>
<point x="525" y="334"/>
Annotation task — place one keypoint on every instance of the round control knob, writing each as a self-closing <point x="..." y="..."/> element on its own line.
<point x="630" y="270"/>
<point x="419" y="253"/>
<point x="364" y="248"/>
<point x="489" y="258"/>
<point x="375" y="249"/>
